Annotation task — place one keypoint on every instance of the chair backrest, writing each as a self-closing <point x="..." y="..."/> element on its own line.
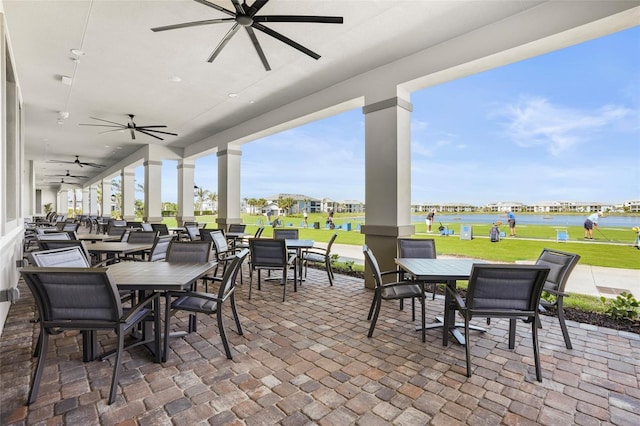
<point x="161" y="228"/>
<point x="219" y="242"/>
<point x="229" y="277"/>
<point x="560" y="264"/>
<point x="116" y="230"/>
<point x="70" y="227"/>
<point x="144" y="237"/>
<point x="160" y="247"/>
<point x="193" y="232"/>
<point x="117" y="222"/>
<point x="237" y="227"/>
<point x="417" y="248"/>
<point x="86" y="296"/>
<point x="504" y="290"/>
<point x="285" y="234"/>
<point x="267" y="252"/>
<point x="188" y="251"/>
<point x="146" y="227"/>
<point x="60" y="244"/>
<point x="190" y="223"/>
<point x="373" y="264"/>
<point x="72" y="257"/>
<point x="259" y="232"/>
<point x="333" y="238"/>
<point x="53" y="236"/>
<point x="206" y="235"/>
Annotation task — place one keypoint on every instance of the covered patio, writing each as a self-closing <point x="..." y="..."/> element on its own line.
<point x="308" y="361"/>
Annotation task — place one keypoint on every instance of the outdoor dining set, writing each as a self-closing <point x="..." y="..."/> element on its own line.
<point x="133" y="279"/>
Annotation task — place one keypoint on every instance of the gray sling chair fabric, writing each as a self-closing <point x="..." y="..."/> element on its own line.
<point x="500" y="291"/>
<point x="223" y="252"/>
<point x="561" y="265"/>
<point x="419" y="249"/>
<point x="272" y="255"/>
<point x="285" y="234"/>
<point x="208" y="303"/>
<point x="320" y="255"/>
<point x="80" y="299"/>
<point x="59" y="244"/>
<point x="391" y="291"/>
<point x="237" y="227"/>
<point x="161" y="228"/>
<point x="142" y="237"/>
<point x="193" y="233"/>
<point x="244" y="243"/>
<point x="54" y="236"/>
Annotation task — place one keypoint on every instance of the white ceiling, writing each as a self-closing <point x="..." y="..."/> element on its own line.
<point x="127" y="67"/>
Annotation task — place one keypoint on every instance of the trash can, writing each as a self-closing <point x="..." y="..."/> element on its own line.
<point x="466" y="232"/>
<point x="316" y="225"/>
<point x="346" y="226"/>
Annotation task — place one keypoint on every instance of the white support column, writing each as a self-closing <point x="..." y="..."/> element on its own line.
<point x="63" y="202"/>
<point x="153" y="191"/>
<point x="29" y="208"/>
<point x="186" y="170"/>
<point x="86" y="209"/>
<point x="106" y="198"/>
<point x="229" y="187"/>
<point x="128" y="194"/>
<point x="94" y="207"/>
<point x="387" y="177"/>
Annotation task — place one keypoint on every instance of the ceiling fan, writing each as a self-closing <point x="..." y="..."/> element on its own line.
<point x="62" y="181"/>
<point x="132" y="127"/>
<point x="246" y="16"/>
<point x="78" y="162"/>
<point x="69" y="175"/>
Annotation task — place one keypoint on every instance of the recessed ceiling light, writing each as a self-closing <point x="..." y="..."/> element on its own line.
<point x="60" y="122"/>
<point x="106" y="146"/>
<point x="78" y="52"/>
<point x="252" y="101"/>
<point x="233" y="95"/>
<point x="175" y="79"/>
<point x="66" y="80"/>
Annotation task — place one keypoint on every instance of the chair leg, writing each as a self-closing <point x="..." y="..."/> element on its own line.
<point x="433" y="291"/>
<point x="375" y="316"/>
<point x="536" y="350"/>
<point x="512" y="333"/>
<point x="373" y="305"/>
<point x="467" y="345"/>
<point x="563" y="325"/>
<point x="232" y="300"/>
<point x="327" y="265"/>
<point x="285" y="271"/>
<point x="413" y="309"/>
<point x="37" y="374"/>
<point x="423" y="299"/>
<point x="223" y="335"/>
<point x="116" y="367"/>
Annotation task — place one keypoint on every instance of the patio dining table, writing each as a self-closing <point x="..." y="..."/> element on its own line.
<point x="445" y="270"/>
<point x="145" y="277"/>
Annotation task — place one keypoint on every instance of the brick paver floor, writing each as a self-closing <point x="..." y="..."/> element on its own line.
<point x="309" y="361"/>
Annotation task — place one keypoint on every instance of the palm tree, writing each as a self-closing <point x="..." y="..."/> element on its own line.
<point x="212" y="198"/>
<point x="201" y="194"/>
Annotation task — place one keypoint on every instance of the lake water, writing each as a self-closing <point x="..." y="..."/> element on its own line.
<point x="533" y="219"/>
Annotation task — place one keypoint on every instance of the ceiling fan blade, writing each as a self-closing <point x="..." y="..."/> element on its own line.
<point x="120" y="129"/>
<point x="147" y="127"/>
<point x="61" y="162"/>
<point x="191" y="24"/>
<point x="285" y="40"/>
<point x="141" y="129"/>
<point x="224" y="42"/>
<point x="101" y="125"/>
<point x="259" y="50"/>
<point x="216" y="7"/>
<point x="133" y="134"/>
<point x="256" y="6"/>
<point x="239" y="9"/>
<point x="300" y="18"/>
<point x="92" y="165"/>
<point x="149" y="134"/>
<point x="106" y="121"/>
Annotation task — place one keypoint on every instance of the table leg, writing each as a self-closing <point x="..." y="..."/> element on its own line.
<point x="89" y="345"/>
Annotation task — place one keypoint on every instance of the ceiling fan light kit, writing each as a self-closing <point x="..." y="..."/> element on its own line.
<point x="247" y="17"/>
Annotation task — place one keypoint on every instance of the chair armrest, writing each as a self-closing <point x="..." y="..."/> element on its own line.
<point x="135" y="310"/>
<point x="397" y="271"/>
<point x="292" y="259"/>
<point x="197" y="294"/>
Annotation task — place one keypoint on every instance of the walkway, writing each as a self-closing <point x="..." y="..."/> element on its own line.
<point x="308" y="361"/>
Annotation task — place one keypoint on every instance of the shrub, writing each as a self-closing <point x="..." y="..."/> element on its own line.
<point x="624" y="306"/>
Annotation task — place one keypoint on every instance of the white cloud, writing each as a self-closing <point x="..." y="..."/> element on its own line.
<point x="537" y="122"/>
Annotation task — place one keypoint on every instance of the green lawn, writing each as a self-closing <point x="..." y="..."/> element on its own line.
<point x="527" y="245"/>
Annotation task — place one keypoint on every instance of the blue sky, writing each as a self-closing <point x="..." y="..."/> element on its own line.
<point x="562" y="126"/>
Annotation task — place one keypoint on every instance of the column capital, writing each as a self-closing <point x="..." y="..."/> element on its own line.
<point x="388" y="103"/>
<point x="152" y="163"/>
<point x="229" y="151"/>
